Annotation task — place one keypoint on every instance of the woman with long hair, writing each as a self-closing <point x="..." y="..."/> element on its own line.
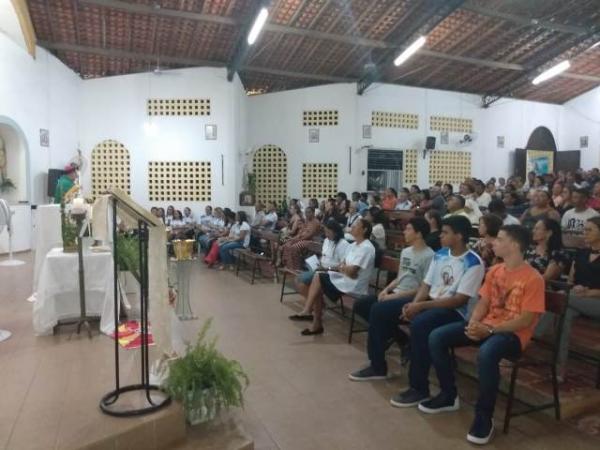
<point x="540" y="209"/>
<point x="546" y="254"/>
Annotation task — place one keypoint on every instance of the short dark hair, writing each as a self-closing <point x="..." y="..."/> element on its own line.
<point x="519" y="234"/>
<point x="342" y="195"/>
<point x="497" y="206"/>
<point x="367" y="227"/>
<point x="393" y="192"/>
<point x="242" y="217"/>
<point x="459" y="225"/>
<point x="460" y="198"/>
<point x="378" y="215"/>
<point x="436" y="217"/>
<point x="581" y="191"/>
<point x="492" y="223"/>
<point x="420" y="225"/>
<point x="449" y="186"/>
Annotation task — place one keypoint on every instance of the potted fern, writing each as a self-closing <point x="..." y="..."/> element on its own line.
<point x="204" y="380"/>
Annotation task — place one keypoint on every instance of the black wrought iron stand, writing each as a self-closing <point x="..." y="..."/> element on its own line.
<point x="109" y="403"/>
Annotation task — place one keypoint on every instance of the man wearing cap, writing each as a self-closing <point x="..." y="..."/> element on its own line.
<point x="65" y="182"/>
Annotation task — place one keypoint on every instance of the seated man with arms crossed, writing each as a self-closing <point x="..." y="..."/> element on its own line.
<point x="502" y="323"/>
<point x="454" y="276"/>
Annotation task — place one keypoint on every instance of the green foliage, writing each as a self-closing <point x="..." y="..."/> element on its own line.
<point x="204" y="378"/>
<point x="128" y="254"/>
<point x="252" y="183"/>
<point x="68" y="231"/>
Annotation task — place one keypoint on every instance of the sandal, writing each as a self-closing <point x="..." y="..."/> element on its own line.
<point x="301" y="317"/>
<point x="309" y="332"/>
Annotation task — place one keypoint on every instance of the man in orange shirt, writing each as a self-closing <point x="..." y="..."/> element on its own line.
<point x="510" y="304"/>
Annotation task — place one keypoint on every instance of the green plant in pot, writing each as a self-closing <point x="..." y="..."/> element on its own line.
<point x="205" y="381"/>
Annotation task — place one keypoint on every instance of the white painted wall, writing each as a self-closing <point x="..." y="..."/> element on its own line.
<point x="39" y="93"/>
<point x="581" y="117"/>
<point x="115" y="108"/>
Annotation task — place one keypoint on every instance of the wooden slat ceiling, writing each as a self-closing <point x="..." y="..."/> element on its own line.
<point x="310" y="42"/>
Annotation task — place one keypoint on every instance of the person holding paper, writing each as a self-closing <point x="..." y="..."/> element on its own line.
<point x="350" y="277"/>
<point x="333" y="253"/>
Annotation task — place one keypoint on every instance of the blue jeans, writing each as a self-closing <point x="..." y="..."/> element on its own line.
<point x="204" y="240"/>
<point x="226" y="251"/>
<point x="420" y="328"/>
<point x="491" y="350"/>
<point x="384" y="318"/>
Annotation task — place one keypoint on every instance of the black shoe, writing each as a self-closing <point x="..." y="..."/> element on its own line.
<point x="309" y="332"/>
<point x="481" y="431"/>
<point x="301" y="317"/>
<point x="408" y="398"/>
<point x="366" y="374"/>
<point x="440" y="403"/>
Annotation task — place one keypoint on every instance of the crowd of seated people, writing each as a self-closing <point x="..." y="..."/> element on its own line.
<point x="493" y="247"/>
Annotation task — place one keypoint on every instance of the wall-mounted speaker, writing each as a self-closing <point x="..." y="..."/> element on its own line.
<point x="430" y="143"/>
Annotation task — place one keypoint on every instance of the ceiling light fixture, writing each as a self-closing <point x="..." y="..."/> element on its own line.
<point x="410" y="50"/>
<point x="259" y="23"/>
<point x="552" y="72"/>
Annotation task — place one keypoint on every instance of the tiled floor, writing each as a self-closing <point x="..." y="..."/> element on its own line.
<point x="299" y="397"/>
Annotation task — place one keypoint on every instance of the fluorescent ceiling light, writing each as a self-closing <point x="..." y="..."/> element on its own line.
<point x="552" y="72"/>
<point x="412" y="48"/>
<point x="259" y="22"/>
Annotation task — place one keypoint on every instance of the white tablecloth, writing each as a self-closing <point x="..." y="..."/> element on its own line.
<point x="58" y="290"/>
<point x="47" y="236"/>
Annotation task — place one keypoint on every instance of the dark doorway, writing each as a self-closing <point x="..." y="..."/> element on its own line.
<point x="541" y="139"/>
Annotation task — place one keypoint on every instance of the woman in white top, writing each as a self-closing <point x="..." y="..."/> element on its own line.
<point x="333" y="253"/>
<point x="349" y="277"/>
<point x="239" y="237"/>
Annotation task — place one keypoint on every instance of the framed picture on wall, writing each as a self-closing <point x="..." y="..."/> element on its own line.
<point x="444" y="137"/>
<point x="313" y="135"/>
<point x="583" y="141"/>
<point x="366" y="131"/>
<point x="210" y="132"/>
<point x="500" y="141"/>
<point x="44" y="137"/>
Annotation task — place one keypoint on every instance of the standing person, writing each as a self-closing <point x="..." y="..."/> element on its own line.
<point x="502" y="324"/>
<point x="573" y="221"/>
<point x="414" y="262"/>
<point x="350" y="277"/>
<point x="65" y="183"/>
<point x="454" y="276"/>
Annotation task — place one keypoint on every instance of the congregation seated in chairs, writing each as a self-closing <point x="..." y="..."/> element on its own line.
<point x="436" y="268"/>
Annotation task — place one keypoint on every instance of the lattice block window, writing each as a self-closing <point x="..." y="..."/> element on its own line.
<point x="179" y="181"/>
<point x="110" y="167"/>
<point x="320" y="118"/>
<point x="319" y="180"/>
<point x="410" y="158"/>
<point x="394" y="120"/>
<point x="179" y="107"/>
<point x="449" y="166"/>
<point x="270" y="167"/>
<point x="441" y="123"/>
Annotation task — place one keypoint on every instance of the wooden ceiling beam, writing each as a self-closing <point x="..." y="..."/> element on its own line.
<point x="191" y="62"/>
<point x="22" y="12"/>
<point x="524" y="21"/>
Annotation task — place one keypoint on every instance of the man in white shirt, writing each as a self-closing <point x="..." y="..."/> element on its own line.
<point x="350" y="277"/>
<point x="483" y="197"/>
<point x="454" y="277"/>
<point x="206" y="218"/>
<point x="573" y="221"/>
<point x="271" y="218"/>
<point x="403" y="203"/>
<point x="388" y="305"/>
